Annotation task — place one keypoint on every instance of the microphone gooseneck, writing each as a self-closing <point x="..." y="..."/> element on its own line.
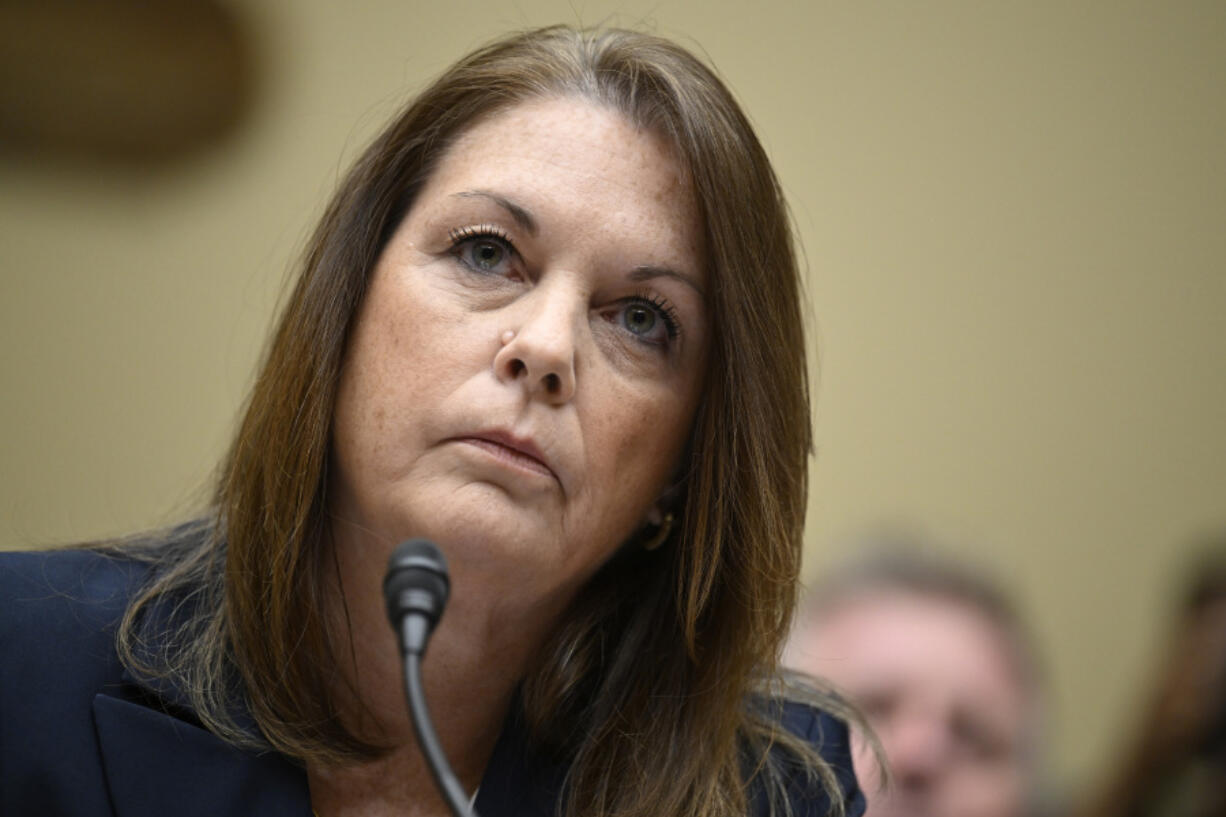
<point x="415" y="589"/>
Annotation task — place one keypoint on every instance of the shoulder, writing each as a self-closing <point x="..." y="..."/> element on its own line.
<point x="830" y="738"/>
<point x="59" y="612"/>
<point x="78" y="735"/>
<point x="58" y="616"/>
<point x="51" y="592"/>
<point x="824" y="731"/>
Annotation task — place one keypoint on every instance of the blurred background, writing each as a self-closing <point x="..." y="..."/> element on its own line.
<point x="1013" y="215"/>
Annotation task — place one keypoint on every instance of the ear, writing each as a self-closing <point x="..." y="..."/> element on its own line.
<point x="667" y="502"/>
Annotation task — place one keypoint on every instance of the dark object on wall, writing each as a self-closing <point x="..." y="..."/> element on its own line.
<point x="120" y="79"/>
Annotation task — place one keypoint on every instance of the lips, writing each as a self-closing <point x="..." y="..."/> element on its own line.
<point x="522" y="452"/>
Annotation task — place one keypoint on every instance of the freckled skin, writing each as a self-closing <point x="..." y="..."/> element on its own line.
<point x="424" y="365"/>
<point x="934" y="680"/>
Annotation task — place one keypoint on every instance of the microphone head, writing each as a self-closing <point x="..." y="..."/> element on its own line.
<point x="416" y="583"/>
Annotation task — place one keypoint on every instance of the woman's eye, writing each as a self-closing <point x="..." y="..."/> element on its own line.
<point x="639" y="319"/>
<point x="486" y="253"/>
<point x="647" y="320"/>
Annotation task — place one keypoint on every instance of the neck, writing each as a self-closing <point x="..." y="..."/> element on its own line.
<point x="480" y="651"/>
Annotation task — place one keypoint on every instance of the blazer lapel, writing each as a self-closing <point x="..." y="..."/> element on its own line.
<point x="157" y="764"/>
<point x="519" y="782"/>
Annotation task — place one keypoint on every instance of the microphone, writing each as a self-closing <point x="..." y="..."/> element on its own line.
<point x="415" y="589"/>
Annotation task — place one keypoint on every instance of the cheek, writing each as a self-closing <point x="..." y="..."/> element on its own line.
<point x="634" y="439"/>
<point x="994" y="791"/>
<point x="410" y="339"/>
<point x="646" y="428"/>
<point x="401" y="355"/>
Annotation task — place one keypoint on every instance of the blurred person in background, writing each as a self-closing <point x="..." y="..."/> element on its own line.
<point x="1176" y="764"/>
<point x="934" y="655"/>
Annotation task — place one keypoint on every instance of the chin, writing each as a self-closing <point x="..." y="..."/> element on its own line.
<point x="482" y="519"/>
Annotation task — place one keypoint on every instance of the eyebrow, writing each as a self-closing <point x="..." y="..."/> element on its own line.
<point x="647" y="273"/>
<point x="522" y="217"/>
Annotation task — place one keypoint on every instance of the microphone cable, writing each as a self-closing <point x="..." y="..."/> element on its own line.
<point x="415" y="589"/>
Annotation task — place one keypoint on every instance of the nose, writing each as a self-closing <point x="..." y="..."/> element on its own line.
<point x="540" y="353"/>
<point x="917" y="747"/>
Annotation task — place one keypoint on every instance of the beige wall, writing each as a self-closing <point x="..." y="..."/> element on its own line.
<point x="1015" y="220"/>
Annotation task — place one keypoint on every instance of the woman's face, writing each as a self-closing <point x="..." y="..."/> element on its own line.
<point x="525" y="367"/>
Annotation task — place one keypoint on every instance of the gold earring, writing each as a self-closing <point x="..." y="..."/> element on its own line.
<point x="658" y="538"/>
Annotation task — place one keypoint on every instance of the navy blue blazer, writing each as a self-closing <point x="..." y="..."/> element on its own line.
<point x="79" y="735"/>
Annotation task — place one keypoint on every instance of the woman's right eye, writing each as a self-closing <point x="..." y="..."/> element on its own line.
<point x="485" y="251"/>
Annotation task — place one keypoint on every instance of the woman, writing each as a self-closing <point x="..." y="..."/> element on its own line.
<point x="550" y="321"/>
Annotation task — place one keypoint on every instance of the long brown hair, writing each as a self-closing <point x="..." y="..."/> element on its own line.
<point x="649" y="682"/>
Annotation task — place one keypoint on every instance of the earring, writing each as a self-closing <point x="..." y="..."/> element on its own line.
<point x="658" y="538"/>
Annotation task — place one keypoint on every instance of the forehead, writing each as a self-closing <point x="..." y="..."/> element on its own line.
<point x="561" y="156"/>
<point x="910" y="641"/>
<point x="570" y="132"/>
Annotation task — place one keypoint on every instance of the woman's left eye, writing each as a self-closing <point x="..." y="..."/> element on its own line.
<point x="652" y="320"/>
